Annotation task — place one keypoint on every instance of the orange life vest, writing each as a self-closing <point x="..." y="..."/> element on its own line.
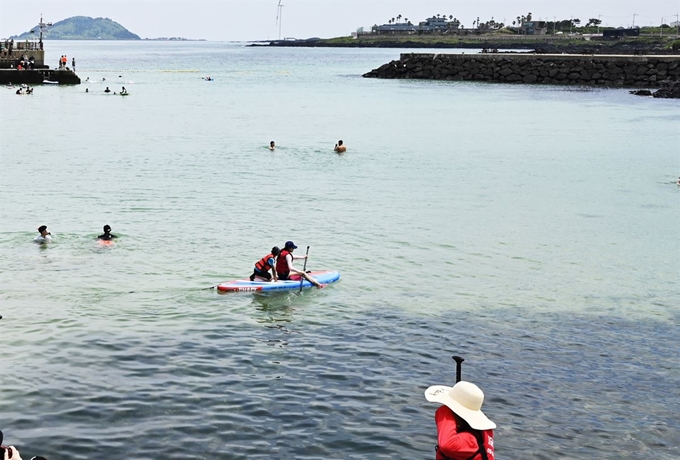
<point x="262" y="265"/>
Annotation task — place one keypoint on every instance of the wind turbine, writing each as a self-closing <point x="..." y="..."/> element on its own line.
<point x="279" y="16"/>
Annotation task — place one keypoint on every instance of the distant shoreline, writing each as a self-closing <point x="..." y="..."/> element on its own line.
<point x="547" y="44"/>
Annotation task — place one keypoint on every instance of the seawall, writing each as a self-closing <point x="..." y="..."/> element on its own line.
<point x="36" y="76"/>
<point x="556" y="69"/>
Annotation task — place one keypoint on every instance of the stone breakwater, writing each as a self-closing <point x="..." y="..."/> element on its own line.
<point x="555" y="69"/>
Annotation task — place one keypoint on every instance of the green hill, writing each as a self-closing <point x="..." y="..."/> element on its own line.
<point x="81" y="28"/>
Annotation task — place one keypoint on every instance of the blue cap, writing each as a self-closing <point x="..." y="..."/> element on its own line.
<point x="290" y="244"/>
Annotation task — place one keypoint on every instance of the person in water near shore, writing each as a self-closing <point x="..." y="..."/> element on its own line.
<point x="463" y="431"/>
<point x="339" y="147"/>
<point x="272" y="145"/>
<point x="12" y="453"/>
<point x="264" y="265"/>
<point x="285" y="269"/>
<point x="123" y="91"/>
<point x="106" y="236"/>
<point x="44" y="237"/>
<point x="107" y="90"/>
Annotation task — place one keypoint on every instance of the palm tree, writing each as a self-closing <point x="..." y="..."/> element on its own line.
<point x="398" y="17"/>
<point x="450" y="17"/>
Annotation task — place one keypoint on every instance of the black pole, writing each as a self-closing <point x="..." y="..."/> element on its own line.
<point x="304" y="269"/>
<point x="459" y="364"/>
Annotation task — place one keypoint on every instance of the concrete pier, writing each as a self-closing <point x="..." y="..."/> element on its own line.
<point x="556" y="69"/>
<point x="36" y="76"/>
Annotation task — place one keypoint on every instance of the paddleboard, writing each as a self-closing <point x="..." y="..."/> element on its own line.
<point x="322" y="276"/>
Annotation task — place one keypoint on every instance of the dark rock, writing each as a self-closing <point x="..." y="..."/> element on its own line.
<point x="669" y="90"/>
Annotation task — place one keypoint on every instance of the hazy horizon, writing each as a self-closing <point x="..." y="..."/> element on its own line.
<point x="240" y="20"/>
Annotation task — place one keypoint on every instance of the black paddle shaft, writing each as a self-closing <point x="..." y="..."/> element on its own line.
<point x="304" y="269"/>
<point x="459" y="365"/>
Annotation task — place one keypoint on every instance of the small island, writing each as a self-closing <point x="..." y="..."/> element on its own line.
<point x="81" y="28"/>
<point x="87" y="28"/>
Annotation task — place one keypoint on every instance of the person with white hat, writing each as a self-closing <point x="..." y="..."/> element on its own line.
<point x="463" y="431"/>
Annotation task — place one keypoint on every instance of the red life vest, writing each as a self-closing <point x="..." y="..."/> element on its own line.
<point x="262" y="265"/>
<point x="282" y="264"/>
<point x="486" y="452"/>
<point x="455" y="444"/>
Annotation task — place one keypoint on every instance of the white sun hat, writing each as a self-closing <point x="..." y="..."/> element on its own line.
<point x="465" y="400"/>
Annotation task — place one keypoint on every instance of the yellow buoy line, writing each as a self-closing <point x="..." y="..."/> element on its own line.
<point x="141" y="71"/>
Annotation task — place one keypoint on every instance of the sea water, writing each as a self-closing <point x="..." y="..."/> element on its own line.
<point x="533" y="230"/>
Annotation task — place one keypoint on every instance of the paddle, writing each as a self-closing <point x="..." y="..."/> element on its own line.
<point x="304" y="269"/>
<point x="459" y="363"/>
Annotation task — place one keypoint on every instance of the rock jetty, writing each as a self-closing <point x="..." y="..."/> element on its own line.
<point x="669" y="90"/>
<point x="556" y="69"/>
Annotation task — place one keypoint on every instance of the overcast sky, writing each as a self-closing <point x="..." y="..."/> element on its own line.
<point x="256" y="19"/>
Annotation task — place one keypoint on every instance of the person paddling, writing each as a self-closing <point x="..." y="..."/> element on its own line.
<point x="285" y="269"/>
<point x="463" y="431"/>
<point x="264" y="265"/>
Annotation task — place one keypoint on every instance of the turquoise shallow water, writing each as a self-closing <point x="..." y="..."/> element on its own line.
<point x="532" y="230"/>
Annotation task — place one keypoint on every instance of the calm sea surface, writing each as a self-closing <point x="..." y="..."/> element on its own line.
<point x="533" y="230"/>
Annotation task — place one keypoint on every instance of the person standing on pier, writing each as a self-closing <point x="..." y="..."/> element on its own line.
<point x="73" y="64"/>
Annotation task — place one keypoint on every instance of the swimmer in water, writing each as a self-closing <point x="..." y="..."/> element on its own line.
<point x="44" y="237"/>
<point x="339" y="147"/>
<point x="106" y="236"/>
<point x="272" y="145"/>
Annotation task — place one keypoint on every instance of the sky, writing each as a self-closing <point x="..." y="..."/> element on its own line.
<point x="246" y="20"/>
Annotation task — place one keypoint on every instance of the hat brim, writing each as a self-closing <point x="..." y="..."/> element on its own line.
<point x="476" y="419"/>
